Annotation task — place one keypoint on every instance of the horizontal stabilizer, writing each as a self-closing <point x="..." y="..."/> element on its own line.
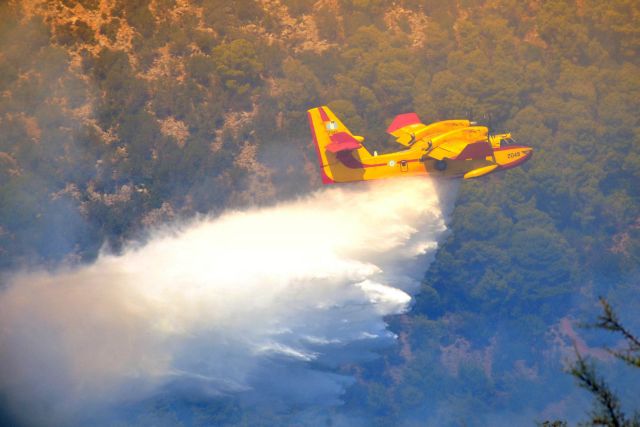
<point x="342" y="141"/>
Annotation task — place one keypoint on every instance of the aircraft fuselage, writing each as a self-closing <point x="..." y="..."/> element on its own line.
<point x="454" y="148"/>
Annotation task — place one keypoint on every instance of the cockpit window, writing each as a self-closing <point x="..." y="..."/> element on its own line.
<point x="506" y="141"/>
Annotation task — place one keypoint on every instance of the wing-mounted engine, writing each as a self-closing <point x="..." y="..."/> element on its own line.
<point x="408" y="128"/>
<point x="404" y="128"/>
<point x="462" y="144"/>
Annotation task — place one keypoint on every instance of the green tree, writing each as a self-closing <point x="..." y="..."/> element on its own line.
<point x="238" y="66"/>
<point x="607" y="409"/>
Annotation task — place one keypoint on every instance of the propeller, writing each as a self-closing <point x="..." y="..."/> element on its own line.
<point x="489" y="120"/>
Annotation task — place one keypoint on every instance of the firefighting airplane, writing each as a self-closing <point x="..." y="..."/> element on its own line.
<point x="451" y="148"/>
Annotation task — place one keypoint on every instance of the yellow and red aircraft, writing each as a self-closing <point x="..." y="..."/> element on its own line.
<point x="451" y="148"/>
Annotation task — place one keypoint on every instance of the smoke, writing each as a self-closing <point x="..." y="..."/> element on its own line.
<point x="264" y="303"/>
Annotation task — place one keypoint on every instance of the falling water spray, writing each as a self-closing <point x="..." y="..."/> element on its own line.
<point x="224" y="305"/>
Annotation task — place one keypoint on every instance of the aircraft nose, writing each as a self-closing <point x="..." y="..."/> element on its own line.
<point x="523" y="154"/>
<point x="527" y="156"/>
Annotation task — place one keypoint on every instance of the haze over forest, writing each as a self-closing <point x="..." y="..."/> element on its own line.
<point x="118" y="117"/>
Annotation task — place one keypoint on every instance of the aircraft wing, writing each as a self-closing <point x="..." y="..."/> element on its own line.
<point x="462" y="144"/>
<point x="462" y="151"/>
<point x="404" y="127"/>
<point x="408" y="128"/>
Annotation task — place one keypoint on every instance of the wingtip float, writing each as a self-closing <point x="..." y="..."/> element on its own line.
<point x="450" y="148"/>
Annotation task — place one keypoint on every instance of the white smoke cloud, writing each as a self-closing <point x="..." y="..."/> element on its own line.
<point x="266" y="300"/>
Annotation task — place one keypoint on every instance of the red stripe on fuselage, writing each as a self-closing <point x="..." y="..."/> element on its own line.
<point x="347" y="159"/>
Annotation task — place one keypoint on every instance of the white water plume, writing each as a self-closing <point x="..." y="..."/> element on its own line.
<point x="266" y="300"/>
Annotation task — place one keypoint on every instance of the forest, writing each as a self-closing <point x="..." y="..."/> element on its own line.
<point x="117" y="116"/>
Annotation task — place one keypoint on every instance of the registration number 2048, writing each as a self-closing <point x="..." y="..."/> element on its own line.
<point x="513" y="155"/>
